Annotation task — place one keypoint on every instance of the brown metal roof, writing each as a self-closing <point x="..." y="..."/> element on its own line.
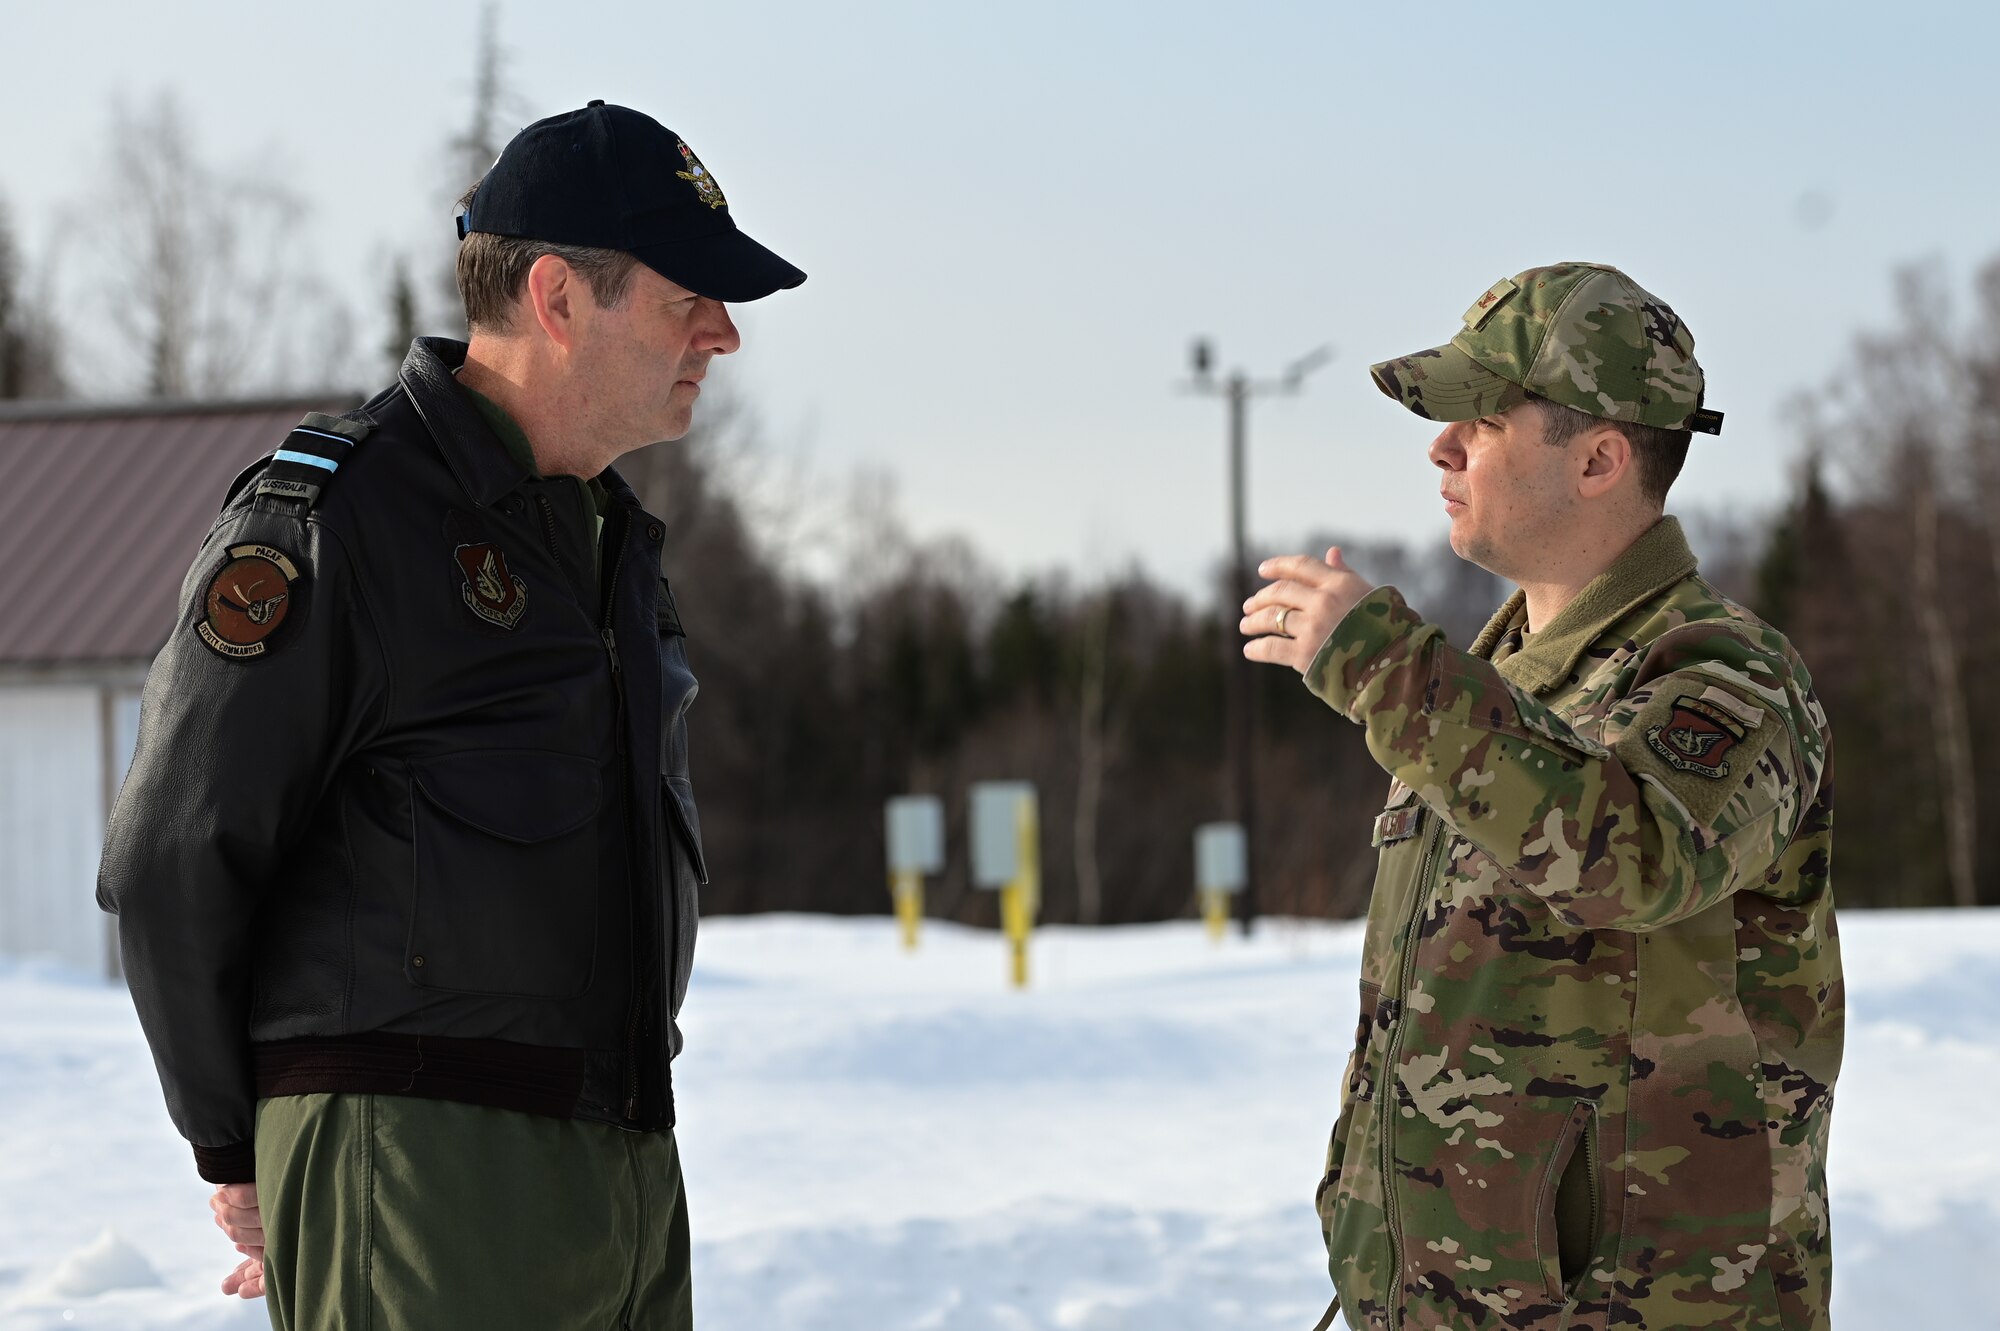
<point x="102" y="507"/>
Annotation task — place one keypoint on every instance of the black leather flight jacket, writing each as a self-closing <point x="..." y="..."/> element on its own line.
<point x="410" y="847"/>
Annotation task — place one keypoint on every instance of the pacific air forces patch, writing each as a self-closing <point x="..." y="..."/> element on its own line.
<point x="1697" y="737"/>
<point x="489" y="590"/>
<point x="248" y="601"/>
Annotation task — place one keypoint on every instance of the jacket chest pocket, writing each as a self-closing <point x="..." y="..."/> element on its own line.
<point x="686" y="870"/>
<point x="1401" y="834"/>
<point x="1399" y="819"/>
<point x="678" y="687"/>
<point x="505" y="892"/>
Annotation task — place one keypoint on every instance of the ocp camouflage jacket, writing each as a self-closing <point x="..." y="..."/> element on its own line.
<point x="1601" y="999"/>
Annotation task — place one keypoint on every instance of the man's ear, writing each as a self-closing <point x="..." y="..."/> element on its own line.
<point x="1607" y="462"/>
<point x="552" y="297"/>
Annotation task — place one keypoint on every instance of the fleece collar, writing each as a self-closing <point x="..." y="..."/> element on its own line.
<point x="1650" y="565"/>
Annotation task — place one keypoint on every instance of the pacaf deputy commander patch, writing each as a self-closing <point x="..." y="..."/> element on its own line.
<point x="247" y="601"/>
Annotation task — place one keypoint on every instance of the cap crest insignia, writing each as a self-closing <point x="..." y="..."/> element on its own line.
<point x="698" y="176"/>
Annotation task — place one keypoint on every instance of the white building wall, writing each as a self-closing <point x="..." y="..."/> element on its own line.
<point x="52" y="792"/>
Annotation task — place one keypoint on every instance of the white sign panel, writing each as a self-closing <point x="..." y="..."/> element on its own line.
<point x="915" y="827"/>
<point x="996" y="830"/>
<point x="1221" y="857"/>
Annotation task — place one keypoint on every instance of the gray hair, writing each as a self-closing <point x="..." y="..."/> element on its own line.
<point x="492" y="270"/>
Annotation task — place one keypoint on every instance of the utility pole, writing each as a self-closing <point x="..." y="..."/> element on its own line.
<point x="1239" y="689"/>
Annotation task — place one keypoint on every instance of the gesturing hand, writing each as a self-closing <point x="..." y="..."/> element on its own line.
<point x="237" y="1215"/>
<point x="1289" y="620"/>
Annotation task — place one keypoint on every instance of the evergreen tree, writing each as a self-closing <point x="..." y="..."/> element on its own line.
<point x="28" y="347"/>
<point x="13" y="348"/>
<point x="402" y="315"/>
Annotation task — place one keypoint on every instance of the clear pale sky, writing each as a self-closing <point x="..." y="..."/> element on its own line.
<point x="1016" y="215"/>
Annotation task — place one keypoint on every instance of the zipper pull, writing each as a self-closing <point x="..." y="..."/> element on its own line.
<point x="617" y="689"/>
<point x="632" y="1108"/>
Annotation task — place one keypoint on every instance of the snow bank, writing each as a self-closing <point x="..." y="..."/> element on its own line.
<point x="901" y="1143"/>
<point x="106" y="1264"/>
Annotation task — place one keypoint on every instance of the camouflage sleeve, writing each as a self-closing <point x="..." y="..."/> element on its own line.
<point x="1692" y="790"/>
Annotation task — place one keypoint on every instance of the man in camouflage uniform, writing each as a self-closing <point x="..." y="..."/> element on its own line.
<point x="1601" y="997"/>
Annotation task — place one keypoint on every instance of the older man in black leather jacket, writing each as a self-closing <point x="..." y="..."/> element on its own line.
<point x="407" y="861"/>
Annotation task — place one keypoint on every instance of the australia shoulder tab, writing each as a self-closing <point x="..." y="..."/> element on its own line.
<point x="310" y="456"/>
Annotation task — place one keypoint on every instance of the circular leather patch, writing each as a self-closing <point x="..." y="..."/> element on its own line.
<point x="247" y="601"/>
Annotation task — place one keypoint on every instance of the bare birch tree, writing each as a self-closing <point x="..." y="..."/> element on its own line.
<point x="202" y="274"/>
<point x="1949" y="729"/>
<point x="29" y="348"/>
<point x="471" y="152"/>
<point x="1090" y="761"/>
<point x="1907" y="418"/>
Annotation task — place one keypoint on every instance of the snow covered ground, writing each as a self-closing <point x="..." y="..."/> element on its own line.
<point x="881" y="1142"/>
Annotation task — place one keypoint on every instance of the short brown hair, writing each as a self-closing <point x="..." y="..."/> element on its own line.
<point x="493" y="269"/>
<point x="1661" y="453"/>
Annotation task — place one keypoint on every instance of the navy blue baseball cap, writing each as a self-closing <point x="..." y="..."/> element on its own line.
<point x="612" y="178"/>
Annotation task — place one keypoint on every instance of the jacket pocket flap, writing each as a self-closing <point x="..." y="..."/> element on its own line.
<point x="669" y="616"/>
<point x="680" y="807"/>
<point x="1400" y="819"/>
<point x="518" y="795"/>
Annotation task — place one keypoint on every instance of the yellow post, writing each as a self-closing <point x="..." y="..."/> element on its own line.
<point x="1215" y="910"/>
<point x="1021" y="900"/>
<point x="1014" y="922"/>
<point x="908" y="885"/>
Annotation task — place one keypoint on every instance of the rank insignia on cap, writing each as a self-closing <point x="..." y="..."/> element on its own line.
<point x="1695" y="737"/>
<point x="489" y="590"/>
<point x="247" y="601"/>
<point x="1482" y="309"/>
<point x="697" y="175"/>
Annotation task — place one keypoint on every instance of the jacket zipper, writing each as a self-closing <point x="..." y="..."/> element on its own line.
<point x="635" y="1008"/>
<point x="1587" y="1143"/>
<point x="635" y="1005"/>
<point x="549" y="531"/>
<point x="1419" y="896"/>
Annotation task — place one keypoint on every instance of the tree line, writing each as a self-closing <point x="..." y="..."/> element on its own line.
<point x="906" y="666"/>
<point x="914" y="668"/>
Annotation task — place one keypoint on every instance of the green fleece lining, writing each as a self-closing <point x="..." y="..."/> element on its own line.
<point x="596" y="499"/>
<point x="1650" y="565"/>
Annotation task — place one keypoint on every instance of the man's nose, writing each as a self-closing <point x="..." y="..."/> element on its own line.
<point x="719" y="334"/>
<point x="1448" y="449"/>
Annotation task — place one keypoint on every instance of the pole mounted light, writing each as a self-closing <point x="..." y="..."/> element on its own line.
<point x="1241" y="695"/>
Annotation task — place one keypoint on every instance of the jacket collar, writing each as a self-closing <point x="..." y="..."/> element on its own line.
<point x="474" y="453"/>
<point x="483" y="464"/>
<point x="1650" y="565"/>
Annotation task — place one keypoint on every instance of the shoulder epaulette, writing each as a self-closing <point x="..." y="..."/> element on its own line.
<point x="311" y="454"/>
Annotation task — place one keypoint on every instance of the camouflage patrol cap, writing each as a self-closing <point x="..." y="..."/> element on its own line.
<point x="1580" y="334"/>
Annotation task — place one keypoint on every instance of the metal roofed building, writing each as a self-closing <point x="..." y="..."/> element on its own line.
<point x="102" y="507"/>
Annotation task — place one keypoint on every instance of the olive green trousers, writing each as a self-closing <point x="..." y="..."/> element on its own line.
<point x="390" y="1213"/>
